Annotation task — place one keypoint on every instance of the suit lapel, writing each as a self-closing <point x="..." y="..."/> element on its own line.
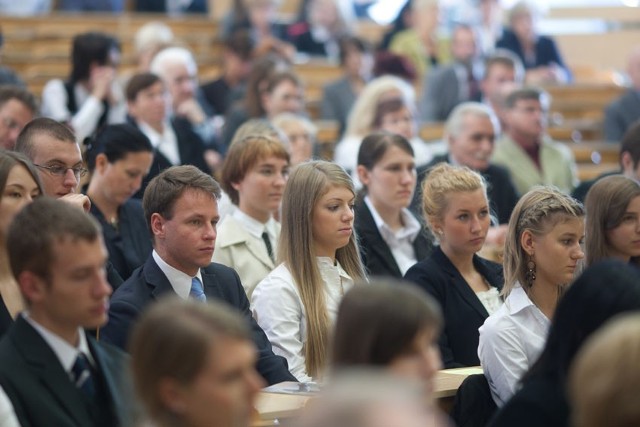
<point x="45" y="365"/>
<point x="376" y="243"/>
<point x="212" y="288"/>
<point x="460" y="285"/>
<point x="156" y="279"/>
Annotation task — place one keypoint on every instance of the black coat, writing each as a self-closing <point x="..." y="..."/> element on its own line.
<point x="221" y="283"/>
<point x="463" y="312"/>
<point x="40" y="389"/>
<point x="376" y="254"/>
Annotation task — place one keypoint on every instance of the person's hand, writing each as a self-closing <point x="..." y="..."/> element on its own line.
<point x="191" y="110"/>
<point x="101" y="79"/>
<point x="79" y="200"/>
<point x="540" y="75"/>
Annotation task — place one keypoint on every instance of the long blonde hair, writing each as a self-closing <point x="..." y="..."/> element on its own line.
<point x="307" y="184"/>
<point x="538" y="211"/>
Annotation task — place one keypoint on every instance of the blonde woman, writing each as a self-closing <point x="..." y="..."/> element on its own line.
<point x="296" y="304"/>
<point x="542" y="253"/>
<point x="363" y="120"/>
<point x="456" y="209"/>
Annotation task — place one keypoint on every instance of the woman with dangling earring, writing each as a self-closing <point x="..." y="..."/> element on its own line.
<point x="542" y="254"/>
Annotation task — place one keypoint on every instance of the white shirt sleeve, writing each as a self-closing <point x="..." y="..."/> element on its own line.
<point x="502" y="356"/>
<point x="8" y="417"/>
<point x="278" y="310"/>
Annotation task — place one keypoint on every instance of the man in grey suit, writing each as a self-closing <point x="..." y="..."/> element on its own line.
<point x="447" y="86"/>
<point x="54" y="373"/>
<point x="625" y="110"/>
<point x="338" y="96"/>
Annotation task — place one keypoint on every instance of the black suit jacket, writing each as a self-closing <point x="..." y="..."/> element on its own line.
<point x="221" y="283"/>
<point x="500" y="189"/>
<point x="190" y="147"/>
<point x="463" y="312"/>
<point x="40" y="389"/>
<point x="546" y="51"/>
<point x="376" y="254"/>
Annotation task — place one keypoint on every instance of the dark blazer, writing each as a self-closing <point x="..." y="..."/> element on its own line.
<point x="540" y="402"/>
<point x="218" y="94"/>
<point x="40" y="389"/>
<point x="621" y="114"/>
<point x="546" y="51"/>
<point x="221" y="283"/>
<point x="500" y="189"/>
<point x="130" y="244"/>
<point x="463" y="312"/>
<point x="5" y="318"/>
<point x="375" y="252"/>
<point x="190" y="147"/>
<point x="195" y="6"/>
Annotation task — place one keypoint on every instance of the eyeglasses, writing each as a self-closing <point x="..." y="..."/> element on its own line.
<point x="58" y="170"/>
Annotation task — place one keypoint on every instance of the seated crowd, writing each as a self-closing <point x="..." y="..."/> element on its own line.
<point x="168" y="248"/>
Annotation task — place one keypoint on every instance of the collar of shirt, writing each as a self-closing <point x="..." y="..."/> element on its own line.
<point x="165" y="142"/>
<point x="331" y="272"/>
<point x="255" y="227"/>
<point x="409" y="232"/>
<point x="65" y="352"/>
<point x="519" y="301"/>
<point x="180" y="281"/>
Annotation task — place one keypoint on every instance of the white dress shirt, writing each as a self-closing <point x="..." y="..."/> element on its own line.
<point x="85" y="121"/>
<point x="511" y="340"/>
<point x="400" y="242"/>
<point x="8" y="417"/>
<point x="165" y="142"/>
<point x="278" y="309"/>
<point x="180" y="282"/>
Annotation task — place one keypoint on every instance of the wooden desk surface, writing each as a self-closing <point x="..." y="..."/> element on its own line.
<point x="273" y="406"/>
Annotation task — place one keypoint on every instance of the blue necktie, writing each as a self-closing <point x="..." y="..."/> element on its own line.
<point x="197" y="292"/>
<point x="82" y="377"/>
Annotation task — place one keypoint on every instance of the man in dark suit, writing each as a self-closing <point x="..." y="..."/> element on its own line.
<point x="447" y="86"/>
<point x="470" y="134"/>
<point x="625" y="110"/>
<point x="181" y="208"/>
<point x="53" y="373"/>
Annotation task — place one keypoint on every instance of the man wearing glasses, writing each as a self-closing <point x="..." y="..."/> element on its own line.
<point x="53" y="149"/>
<point x="17" y="108"/>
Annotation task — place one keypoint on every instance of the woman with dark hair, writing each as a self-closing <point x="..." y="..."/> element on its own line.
<point x="91" y="97"/>
<point x="19" y="185"/>
<point x="387" y="324"/>
<point x="391" y="238"/>
<point x="613" y="220"/>
<point x="456" y="210"/>
<point x="119" y="158"/>
<point x="600" y="293"/>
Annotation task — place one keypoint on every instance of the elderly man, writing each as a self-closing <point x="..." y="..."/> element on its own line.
<point x="17" y="108"/>
<point x="525" y="149"/>
<point x="470" y="133"/>
<point x="625" y="110"/>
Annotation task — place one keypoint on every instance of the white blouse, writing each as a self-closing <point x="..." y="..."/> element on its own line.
<point x="278" y="309"/>
<point x="511" y="340"/>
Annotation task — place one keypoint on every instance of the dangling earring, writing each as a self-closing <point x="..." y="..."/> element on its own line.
<point x="530" y="274"/>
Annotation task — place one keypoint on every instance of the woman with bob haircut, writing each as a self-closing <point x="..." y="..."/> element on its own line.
<point x="600" y="293"/>
<point x="456" y="210"/>
<point x="254" y="175"/>
<point x="193" y="365"/>
<point x="542" y="254"/>
<point x="387" y="324"/>
<point x="613" y="220"/>
<point x="119" y="158"/>
<point x="19" y="185"/>
<point x="391" y="238"/>
<point x="296" y="304"/>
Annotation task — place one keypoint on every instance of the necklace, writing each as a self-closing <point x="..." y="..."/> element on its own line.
<point x="113" y="221"/>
